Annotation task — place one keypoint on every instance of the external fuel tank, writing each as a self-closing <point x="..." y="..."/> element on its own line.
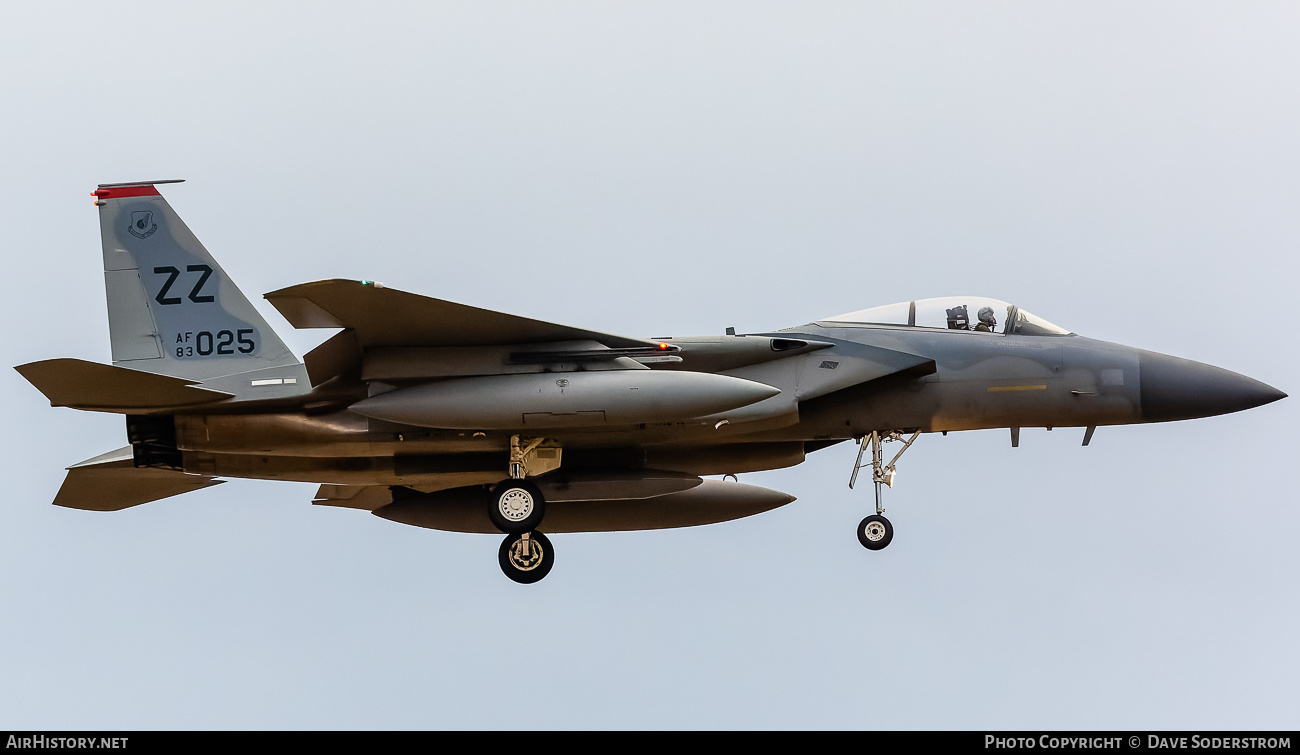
<point x="563" y="399"/>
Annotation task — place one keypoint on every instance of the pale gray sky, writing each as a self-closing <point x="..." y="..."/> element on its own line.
<point x="1127" y="170"/>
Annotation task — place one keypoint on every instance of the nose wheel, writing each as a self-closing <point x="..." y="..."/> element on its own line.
<point x="526" y="558"/>
<point x="875" y="532"/>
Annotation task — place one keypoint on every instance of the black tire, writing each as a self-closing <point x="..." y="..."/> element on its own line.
<point x="875" y="532"/>
<point x="530" y="565"/>
<point x="516" y="506"/>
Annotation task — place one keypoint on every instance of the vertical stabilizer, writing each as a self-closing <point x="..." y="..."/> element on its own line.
<point x="171" y="308"/>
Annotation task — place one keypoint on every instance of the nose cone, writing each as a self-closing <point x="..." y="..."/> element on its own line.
<point x="1173" y="388"/>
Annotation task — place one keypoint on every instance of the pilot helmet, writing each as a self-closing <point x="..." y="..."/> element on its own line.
<point x="986" y="316"/>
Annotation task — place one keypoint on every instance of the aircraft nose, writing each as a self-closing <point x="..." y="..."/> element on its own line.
<point x="1173" y="388"/>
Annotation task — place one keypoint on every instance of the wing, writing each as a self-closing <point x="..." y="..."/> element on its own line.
<point x="375" y="316"/>
<point x="380" y="316"/>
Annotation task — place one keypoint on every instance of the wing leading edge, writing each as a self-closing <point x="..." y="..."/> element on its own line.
<point x="381" y="316"/>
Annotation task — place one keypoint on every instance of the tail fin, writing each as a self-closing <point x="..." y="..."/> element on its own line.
<point x="171" y="308"/>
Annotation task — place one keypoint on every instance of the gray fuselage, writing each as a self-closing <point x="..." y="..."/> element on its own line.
<point x="845" y="385"/>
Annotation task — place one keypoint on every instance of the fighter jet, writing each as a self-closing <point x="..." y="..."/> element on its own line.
<point x="447" y="416"/>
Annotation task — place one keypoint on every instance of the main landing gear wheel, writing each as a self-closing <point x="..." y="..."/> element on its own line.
<point x="875" y="532"/>
<point x="516" y="506"/>
<point x="526" y="558"/>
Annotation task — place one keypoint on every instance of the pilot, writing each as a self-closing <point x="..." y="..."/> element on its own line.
<point x="988" y="323"/>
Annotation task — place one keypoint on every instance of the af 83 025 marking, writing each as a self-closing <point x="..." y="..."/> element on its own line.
<point x="224" y="343"/>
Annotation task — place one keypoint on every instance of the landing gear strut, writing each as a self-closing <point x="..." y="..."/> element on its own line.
<point x="875" y="532"/>
<point x="516" y="507"/>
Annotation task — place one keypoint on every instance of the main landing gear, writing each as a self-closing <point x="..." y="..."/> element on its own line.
<point x="526" y="558"/>
<point x="875" y="532"/>
<point x="516" y="507"/>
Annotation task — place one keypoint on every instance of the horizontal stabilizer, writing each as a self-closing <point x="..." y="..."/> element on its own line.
<point x="104" y="388"/>
<point x="381" y="316"/>
<point x="111" y="483"/>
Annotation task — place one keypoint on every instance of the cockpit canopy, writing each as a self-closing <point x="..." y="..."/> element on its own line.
<point x="975" y="313"/>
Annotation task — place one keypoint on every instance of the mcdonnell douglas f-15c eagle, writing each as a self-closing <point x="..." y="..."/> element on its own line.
<point x="446" y="416"/>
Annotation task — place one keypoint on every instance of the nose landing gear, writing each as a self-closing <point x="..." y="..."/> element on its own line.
<point x="875" y="532"/>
